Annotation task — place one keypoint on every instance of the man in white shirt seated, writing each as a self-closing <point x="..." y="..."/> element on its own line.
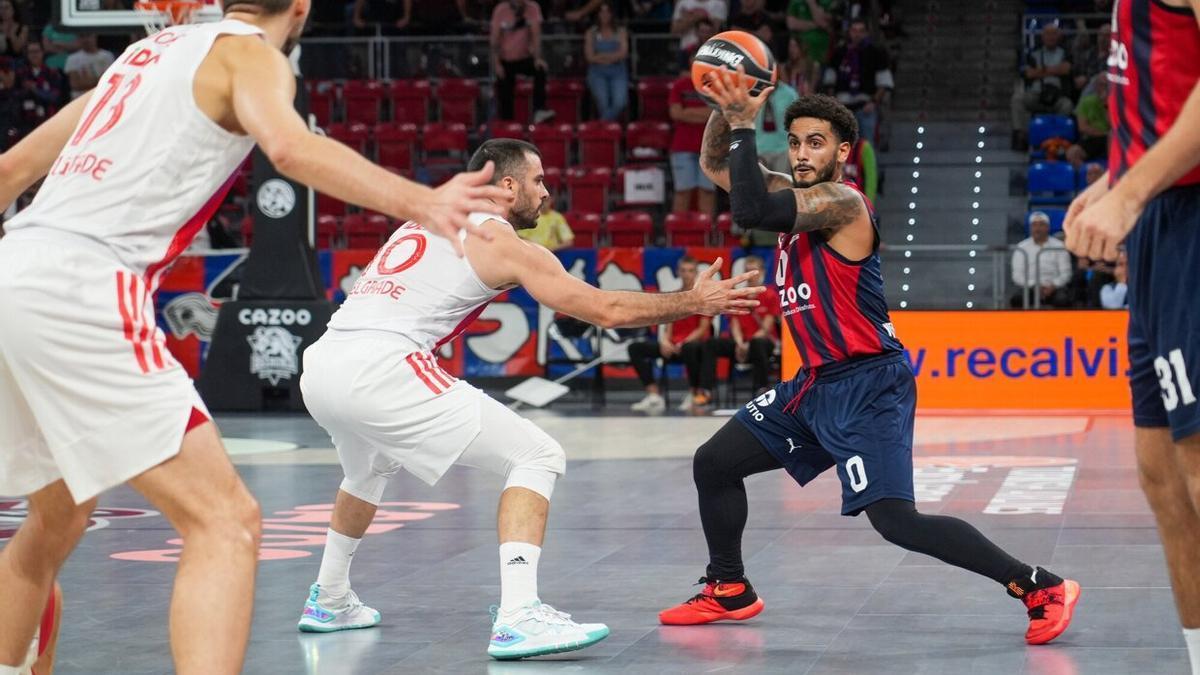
<point x="1042" y="265"/>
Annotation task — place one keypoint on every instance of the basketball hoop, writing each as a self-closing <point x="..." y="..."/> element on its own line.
<point x="158" y="14"/>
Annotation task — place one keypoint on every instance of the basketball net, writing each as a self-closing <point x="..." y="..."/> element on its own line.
<point x="159" y="14"/>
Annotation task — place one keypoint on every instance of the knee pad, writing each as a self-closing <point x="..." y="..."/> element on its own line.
<point x="538" y="468"/>
<point x="369" y="489"/>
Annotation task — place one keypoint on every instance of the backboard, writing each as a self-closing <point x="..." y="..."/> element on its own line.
<point x="114" y="15"/>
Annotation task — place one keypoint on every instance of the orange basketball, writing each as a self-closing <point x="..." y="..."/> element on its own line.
<point x="729" y="50"/>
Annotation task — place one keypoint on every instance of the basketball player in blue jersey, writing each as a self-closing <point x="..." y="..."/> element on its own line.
<point x="852" y="405"/>
<point x="1150" y="199"/>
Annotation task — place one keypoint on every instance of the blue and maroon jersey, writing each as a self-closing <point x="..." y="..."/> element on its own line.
<point x="1153" y="64"/>
<point x="833" y="307"/>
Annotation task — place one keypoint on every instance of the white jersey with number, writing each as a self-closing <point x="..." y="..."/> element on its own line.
<point x="418" y="287"/>
<point x="145" y="169"/>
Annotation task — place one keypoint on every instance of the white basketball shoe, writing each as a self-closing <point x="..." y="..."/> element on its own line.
<point x="323" y="614"/>
<point x="538" y="629"/>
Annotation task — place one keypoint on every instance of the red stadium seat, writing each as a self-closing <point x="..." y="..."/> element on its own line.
<point x="330" y="206"/>
<point x="444" y="137"/>
<point x="366" y="231"/>
<point x="689" y="228"/>
<point x="503" y="129"/>
<point x="353" y="135"/>
<point x="647" y="141"/>
<point x="363" y="99"/>
<point x="395" y="144"/>
<point x="458" y="101"/>
<point x="652" y="94"/>
<point x="586" y="227"/>
<point x="554" y="140"/>
<point x="725" y="229"/>
<point x="629" y="228"/>
<point x="410" y="100"/>
<point x="322" y="100"/>
<point x="564" y="96"/>
<point x="587" y="188"/>
<point x="329" y="230"/>
<point x="554" y="181"/>
<point x="599" y="143"/>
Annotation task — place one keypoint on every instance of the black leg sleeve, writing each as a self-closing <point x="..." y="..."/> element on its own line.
<point x="714" y="349"/>
<point x="692" y="355"/>
<point x="718" y="469"/>
<point x="642" y="356"/>
<point x="760" y="360"/>
<point x="948" y="539"/>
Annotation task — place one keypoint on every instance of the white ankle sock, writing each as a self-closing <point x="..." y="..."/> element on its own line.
<point x="334" y="576"/>
<point x="518" y="574"/>
<point x="1192" y="637"/>
<point x="9" y="670"/>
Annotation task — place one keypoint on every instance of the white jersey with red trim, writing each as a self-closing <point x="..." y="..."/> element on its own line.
<point x="145" y="169"/>
<point x="418" y="287"/>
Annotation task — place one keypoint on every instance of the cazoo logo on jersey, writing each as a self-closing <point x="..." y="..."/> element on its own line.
<point x="274" y="316"/>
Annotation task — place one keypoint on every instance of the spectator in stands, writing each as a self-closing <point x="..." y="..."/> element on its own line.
<point x="44" y="87"/>
<point x="14" y="35"/>
<point x="392" y="16"/>
<point x="651" y="10"/>
<point x="1048" y="273"/>
<point x="689" y="113"/>
<point x="59" y="45"/>
<point x="681" y="341"/>
<point x="752" y="339"/>
<point x="1091" y="118"/>
<point x="10" y="104"/>
<point x="1089" y="277"/>
<point x="1093" y="172"/>
<point x="516" y="38"/>
<point x="551" y="231"/>
<point x="1045" y="84"/>
<point x="800" y="71"/>
<point x="689" y="17"/>
<point x="606" y="48"/>
<point x="860" y="78"/>
<point x="1090" y="57"/>
<point x="863" y="168"/>
<point x="85" y="66"/>
<point x="1114" y="295"/>
<point x="438" y="17"/>
<point x="811" y="23"/>
<point x="753" y="18"/>
<point x="771" y="137"/>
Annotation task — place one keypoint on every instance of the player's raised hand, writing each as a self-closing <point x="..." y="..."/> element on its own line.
<point x="731" y="93"/>
<point x="719" y="296"/>
<point x="446" y="212"/>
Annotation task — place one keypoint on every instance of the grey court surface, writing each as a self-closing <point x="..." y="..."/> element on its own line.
<point x="625" y="542"/>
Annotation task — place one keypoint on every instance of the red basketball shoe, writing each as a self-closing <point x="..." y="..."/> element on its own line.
<point x="1050" y="611"/>
<point x="719" y="601"/>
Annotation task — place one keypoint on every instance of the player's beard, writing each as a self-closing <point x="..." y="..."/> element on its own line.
<point x="524" y="215"/>
<point x="824" y="175"/>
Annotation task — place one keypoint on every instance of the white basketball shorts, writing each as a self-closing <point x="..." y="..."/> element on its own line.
<point x="388" y="407"/>
<point x="88" y="390"/>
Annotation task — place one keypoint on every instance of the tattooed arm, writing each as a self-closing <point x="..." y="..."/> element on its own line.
<point x="714" y="156"/>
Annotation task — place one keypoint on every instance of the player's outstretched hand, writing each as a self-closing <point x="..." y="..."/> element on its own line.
<point x="1094" y="193"/>
<point x="731" y="93"/>
<point x="718" y="296"/>
<point x="1098" y="229"/>
<point x="446" y="213"/>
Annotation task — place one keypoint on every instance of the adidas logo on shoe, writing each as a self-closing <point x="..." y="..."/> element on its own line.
<point x="519" y="560"/>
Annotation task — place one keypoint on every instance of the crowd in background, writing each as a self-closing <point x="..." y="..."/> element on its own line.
<point x="1063" y="71"/>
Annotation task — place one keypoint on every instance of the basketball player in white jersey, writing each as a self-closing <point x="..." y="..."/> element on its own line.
<point x="373" y="382"/>
<point x="89" y="396"/>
